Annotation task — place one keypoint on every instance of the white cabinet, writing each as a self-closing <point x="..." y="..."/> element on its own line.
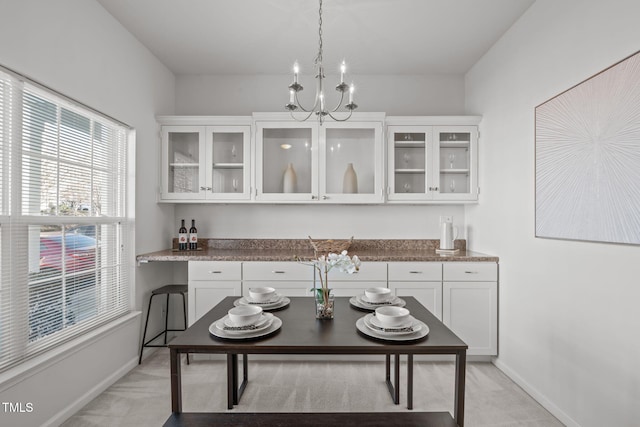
<point x="430" y="161"/>
<point x="470" y="304"/>
<point x="209" y="283"/>
<point x="288" y="278"/>
<point x="371" y="274"/>
<point x="422" y="280"/>
<point x="338" y="162"/>
<point x="205" y="163"/>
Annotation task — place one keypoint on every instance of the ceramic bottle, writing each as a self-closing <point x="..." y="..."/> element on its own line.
<point x="350" y="181"/>
<point x="290" y="180"/>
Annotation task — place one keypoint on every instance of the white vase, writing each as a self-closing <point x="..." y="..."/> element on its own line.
<point x="350" y="182"/>
<point x="290" y="180"/>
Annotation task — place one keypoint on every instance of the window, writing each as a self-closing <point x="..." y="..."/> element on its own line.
<point x="65" y="253"/>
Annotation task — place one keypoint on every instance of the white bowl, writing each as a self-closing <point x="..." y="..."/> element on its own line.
<point x="262" y="294"/>
<point x="392" y="317"/>
<point x="244" y="315"/>
<point x="377" y="294"/>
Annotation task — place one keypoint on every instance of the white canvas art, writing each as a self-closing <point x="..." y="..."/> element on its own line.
<point x="588" y="159"/>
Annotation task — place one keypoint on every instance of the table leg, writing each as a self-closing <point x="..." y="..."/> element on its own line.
<point x="176" y="386"/>
<point x="461" y="364"/>
<point x="393" y="389"/>
<point x="234" y="360"/>
<point x="230" y="381"/>
<point x="409" y="381"/>
<point x="245" y="377"/>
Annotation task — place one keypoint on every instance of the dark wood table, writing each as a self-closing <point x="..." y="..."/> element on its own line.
<point x="302" y="333"/>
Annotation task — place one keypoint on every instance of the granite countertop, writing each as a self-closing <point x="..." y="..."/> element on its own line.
<point x="287" y="249"/>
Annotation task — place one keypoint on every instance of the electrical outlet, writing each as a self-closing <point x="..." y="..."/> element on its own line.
<point x="446" y="218"/>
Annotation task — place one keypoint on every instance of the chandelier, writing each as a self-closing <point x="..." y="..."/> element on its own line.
<point x="319" y="107"/>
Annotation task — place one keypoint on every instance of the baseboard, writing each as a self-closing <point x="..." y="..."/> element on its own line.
<point x="74" y="407"/>
<point x="536" y="395"/>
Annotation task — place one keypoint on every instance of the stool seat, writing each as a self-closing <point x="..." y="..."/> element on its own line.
<point x="171" y="289"/>
<point x="167" y="290"/>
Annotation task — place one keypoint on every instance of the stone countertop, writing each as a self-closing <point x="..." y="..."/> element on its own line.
<point x="288" y="249"/>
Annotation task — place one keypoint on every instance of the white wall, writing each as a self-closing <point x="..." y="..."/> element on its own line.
<point x="394" y="95"/>
<point x="78" y="49"/>
<point x="569" y="317"/>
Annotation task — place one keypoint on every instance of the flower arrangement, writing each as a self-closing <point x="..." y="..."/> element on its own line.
<point x="324" y="264"/>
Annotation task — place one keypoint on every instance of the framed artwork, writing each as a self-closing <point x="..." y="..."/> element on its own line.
<point x="587" y="147"/>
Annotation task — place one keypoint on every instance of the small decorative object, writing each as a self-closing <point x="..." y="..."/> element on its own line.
<point x="324" y="247"/>
<point x="290" y="180"/>
<point x="324" y="301"/>
<point x="350" y="182"/>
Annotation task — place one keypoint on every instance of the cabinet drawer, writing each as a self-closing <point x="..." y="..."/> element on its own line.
<point x="470" y="271"/>
<point x="215" y="270"/>
<point x="369" y="271"/>
<point x="415" y="271"/>
<point x="276" y="271"/>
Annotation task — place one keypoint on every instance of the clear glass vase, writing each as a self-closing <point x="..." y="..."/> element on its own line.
<point x="324" y="304"/>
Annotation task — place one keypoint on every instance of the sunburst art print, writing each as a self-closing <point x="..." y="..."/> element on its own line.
<point x="588" y="158"/>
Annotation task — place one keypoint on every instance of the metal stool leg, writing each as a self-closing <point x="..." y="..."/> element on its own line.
<point x="144" y="334"/>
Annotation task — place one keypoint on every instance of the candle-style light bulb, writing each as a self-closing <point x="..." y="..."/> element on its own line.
<point x="343" y="68"/>
<point x="291" y="95"/>
<point x="351" y="89"/>
<point x="321" y="102"/>
<point x="296" y="70"/>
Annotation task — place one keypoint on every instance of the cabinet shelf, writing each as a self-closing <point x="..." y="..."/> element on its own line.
<point x="228" y="165"/>
<point x="454" y="144"/>
<point x="184" y="165"/>
<point x="409" y="144"/>
<point x="410" y="171"/>
<point x="454" y="171"/>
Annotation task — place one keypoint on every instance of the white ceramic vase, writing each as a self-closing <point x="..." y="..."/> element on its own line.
<point x="290" y="180"/>
<point x="350" y="181"/>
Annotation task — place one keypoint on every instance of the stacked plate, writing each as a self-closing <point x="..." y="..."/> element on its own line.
<point x="264" y="297"/>
<point x="392" y="323"/>
<point x="373" y="298"/>
<point x="245" y="322"/>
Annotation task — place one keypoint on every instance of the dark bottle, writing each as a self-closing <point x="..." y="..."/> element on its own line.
<point x="182" y="237"/>
<point x="193" y="236"/>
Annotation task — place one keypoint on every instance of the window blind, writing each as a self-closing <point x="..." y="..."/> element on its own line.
<point x="64" y="248"/>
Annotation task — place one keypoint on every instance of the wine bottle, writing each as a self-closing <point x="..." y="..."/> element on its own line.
<point x="193" y="236"/>
<point x="182" y="237"/>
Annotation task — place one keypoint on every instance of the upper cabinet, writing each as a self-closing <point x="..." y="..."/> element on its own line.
<point x="431" y="162"/>
<point x="272" y="158"/>
<point x="338" y="162"/>
<point x="205" y="162"/>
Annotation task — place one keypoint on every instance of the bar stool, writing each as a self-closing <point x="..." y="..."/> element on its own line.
<point x="167" y="290"/>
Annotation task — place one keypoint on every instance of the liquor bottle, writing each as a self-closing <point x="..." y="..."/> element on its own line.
<point x="182" y="237"/>
<point x="193" y="236"/>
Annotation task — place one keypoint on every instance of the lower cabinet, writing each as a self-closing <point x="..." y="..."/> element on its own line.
<point x="209" y="283"/>
<point x="422" y="280"/>
<point x="470" y="304"/>
<point x="289" y="279"/>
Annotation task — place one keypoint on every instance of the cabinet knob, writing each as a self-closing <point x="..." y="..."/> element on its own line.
<point x="203" y="188"/>
<point x="278" y="272"/>
<point x="415" y="272"/>
<point x="215" y="272"/>
<point x="325" y="197"/>
<point x="313" y="197"/>
<point x="470" y="272"/>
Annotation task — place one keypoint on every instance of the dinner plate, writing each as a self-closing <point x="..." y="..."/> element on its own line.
<point x="416" y="335"/>
<point x="283" y="302"/>
<point x="263" y="322"/>
<point x="358" y="303"/>
<point x="366" y="300"/>
<point x="215" y="330"/>
<point x="375" y="322"/>
<point x="274" y="300"/>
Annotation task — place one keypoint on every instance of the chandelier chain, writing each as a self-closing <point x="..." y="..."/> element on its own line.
<point x="318" y="59"/>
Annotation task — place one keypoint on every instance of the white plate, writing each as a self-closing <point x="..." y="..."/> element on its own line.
<point x="275" y="324"/>
<point x="275" y="300"/>
<point x="365" y="300"/>
<point x="260" y="324"/>
<point x="375" y="322"/>
<point x="416" y="335"/>
<point x="357" y="302"/>
<point x="283" y="302"/>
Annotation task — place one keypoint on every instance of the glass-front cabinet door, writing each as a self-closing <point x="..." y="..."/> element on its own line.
<point x="183" y="174"/>
<point x="286" y="161"/>
<point x="409" y="162"/>
<point x="228" y="160"/>
<point x="455" y="154"/>
<point x="351" y="162"/>
<point x="206" y="163"/>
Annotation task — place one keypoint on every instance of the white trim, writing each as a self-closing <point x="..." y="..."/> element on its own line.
<point x="537" y="395"/>
<point x="31" y="367"/>
<point x="204" y="120"/>
<point x="286" y="117"/>
<point x="433" y="120"/>
<point x="79" y="403"/>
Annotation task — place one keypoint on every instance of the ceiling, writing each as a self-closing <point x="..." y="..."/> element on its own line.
<point x="267" y="36"/>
